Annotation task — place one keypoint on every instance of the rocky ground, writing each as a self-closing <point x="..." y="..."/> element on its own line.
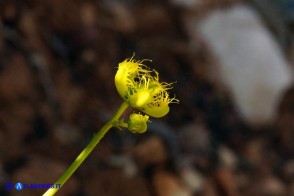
<point x="57" y="65"/>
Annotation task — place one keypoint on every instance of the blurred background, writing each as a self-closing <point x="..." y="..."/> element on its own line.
<point x="232" y="61"/>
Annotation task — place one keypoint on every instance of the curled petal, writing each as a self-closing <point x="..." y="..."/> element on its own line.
<point x="139" y="99"/>
<point x="156" y="112"/>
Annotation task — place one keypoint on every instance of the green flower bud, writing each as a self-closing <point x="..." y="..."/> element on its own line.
<point x="138" y="123"/>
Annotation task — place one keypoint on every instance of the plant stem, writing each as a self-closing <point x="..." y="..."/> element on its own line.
<point x="84" y="154"/>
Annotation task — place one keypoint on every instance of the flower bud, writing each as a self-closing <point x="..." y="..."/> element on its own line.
<point x="138" y="123"/>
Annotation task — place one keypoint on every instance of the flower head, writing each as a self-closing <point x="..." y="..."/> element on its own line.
<point x="141" y="89"/>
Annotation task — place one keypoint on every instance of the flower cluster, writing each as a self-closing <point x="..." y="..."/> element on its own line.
<point x="140" y="88"/>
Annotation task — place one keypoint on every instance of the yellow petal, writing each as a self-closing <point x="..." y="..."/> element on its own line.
<point x="124" y="77"/>
<point x="140" y="98"/>
<point x="156" y="112"/>
<point x="120" y="81"/>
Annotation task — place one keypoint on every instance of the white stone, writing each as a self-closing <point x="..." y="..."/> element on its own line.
<point x="251" y="64"/>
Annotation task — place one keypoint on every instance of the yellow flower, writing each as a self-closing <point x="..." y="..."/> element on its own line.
<point x="141" y="89"/>
<point x="138" y="123"/>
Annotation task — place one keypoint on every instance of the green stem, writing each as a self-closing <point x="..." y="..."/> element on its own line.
<point x="84" y="154"/>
